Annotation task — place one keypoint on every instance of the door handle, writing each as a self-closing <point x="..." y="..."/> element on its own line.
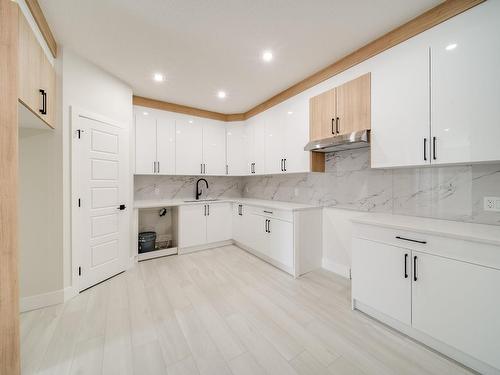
<point x="201" y="168"/>
<point x="337" y="126"/>
<point x="208" y="210"/>
<point x="204" y="210"/>
<point x="281" y="165"/>
<point x="265" y="226"/>
<point x="121" y="207"/>
<point x="43" y="110"/>
<point x="284" y="165"/>
<point x="410" y="240"/>
<point x="333" y="124"/>
<point x="406" y="263"/>
<point x="434" y="148"/>
<point x="158" y="168"/>
<point x="154" y="167"/>
<point x="268" y="226"/>
<point x="415" y="268"/>
<point x="425" y="149"/>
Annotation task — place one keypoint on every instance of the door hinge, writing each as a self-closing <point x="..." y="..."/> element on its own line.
<point x="79" y="202"/>
<point x="79" y="271"/>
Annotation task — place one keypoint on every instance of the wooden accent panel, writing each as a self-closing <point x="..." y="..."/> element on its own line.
<point x="40" y="20"/>
<point x="425" y="21"/>
<point x="354" y="104"/>
<point x="322" y="111"/>
<point x="165" y="106"/>
<point x="317" y="162"/>
<point x="9" y="288"/>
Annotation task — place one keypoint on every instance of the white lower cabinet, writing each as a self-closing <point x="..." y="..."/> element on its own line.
<point x="443" y="291"/>
<point x="280" y="241"/>
<point x="381" y="278"/>
<point x="201" y="224"/>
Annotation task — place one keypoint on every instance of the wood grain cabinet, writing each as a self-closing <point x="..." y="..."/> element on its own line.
<point x="37" y="81"/>
<point x="341" y="110"/>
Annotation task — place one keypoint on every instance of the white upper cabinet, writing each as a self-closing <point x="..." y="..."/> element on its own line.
<point x="400" y="134"/>
<point x="274" y="141"/>
<point x="145" y="144"/>
<point x="237" y="149"/>
<point x="214" y="148"/>
<point x="465" y="87"/>
<point x="188" y="147"/>
<point x="165" y="145"/>
<point x="256" y="135"/>
<point x="295" y="116"/>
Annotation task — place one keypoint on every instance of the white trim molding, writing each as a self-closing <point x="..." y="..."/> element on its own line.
<point x="42" y="300"/>
<point x="337" y="268"/>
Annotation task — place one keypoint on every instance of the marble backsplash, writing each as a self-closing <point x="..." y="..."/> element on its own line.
<point x="453" y="192"/>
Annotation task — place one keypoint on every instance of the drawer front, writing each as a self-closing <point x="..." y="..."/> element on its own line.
<point x="272" y="213"/>
<point x="463" y="250"/>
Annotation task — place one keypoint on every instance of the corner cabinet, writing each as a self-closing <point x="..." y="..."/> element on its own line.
<point x="435" y="96"/>
<point x="436" y="289"/>
<point x="37" y="79"/>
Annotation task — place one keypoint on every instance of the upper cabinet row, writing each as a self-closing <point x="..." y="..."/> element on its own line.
<point x="269" y="143"/>
<point x="435" y="97"/>
<point x="341" y="110"/>
<point x="37" y="80"/>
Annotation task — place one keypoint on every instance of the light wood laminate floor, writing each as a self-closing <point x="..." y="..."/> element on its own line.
<point x="219" y="311"/>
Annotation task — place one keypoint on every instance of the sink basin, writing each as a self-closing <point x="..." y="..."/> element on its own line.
<point x="202" y="200"/>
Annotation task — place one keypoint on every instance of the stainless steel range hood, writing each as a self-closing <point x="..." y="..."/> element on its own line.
<point x="340" y="142"/>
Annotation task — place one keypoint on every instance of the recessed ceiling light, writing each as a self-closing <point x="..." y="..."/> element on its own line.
<point x="221" y="94"/>
<point x="451" y="46"/>
<point x="290" y="112"/>
<point x="267" y="56"/>
<point x="158" y="77"/>
<point x="190" y="121"/>
<point x="145" y="113"/>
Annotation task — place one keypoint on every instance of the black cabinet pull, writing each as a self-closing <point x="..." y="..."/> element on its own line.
<point x="284" y="165"/>
<point x="265" y="226"/>
<point x="409" y="239"/>
<point x="43" y="110"/>
<point x="240" y="210"/>
<point x="333" y="122"/>
<point x="434" y="148"/>
<point x="268" y="226"/>
<point x="415" y="268"/>
<point x="121" y="207"/>
<point x="208" y="209"/>
<point x="282" y="170"/>
<point x="205" y="210"/>
<point x="268" y="212"/>
<point x="158" y="168"/>
<point x="425" y="149"/>
<point x="406" y="263"/>
<point x="201" y="168"/>
<point x="337" y="127"/>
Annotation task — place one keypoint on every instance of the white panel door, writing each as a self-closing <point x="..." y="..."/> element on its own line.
<point x="457" y="303"/>
<point x="281" y="241"/>
<point x="465" y="60"/>
<point x="295" y="115"/>
<point x="192" y="225"/>
<point x="214" y="148"/>
<point x="381" y="278"/>
<point x="100" y="185"/>
<point x="188" y="147"/>
<point x="400" y="130"/>
<point x="274" y="141"/>
<point x="165" y="145"/>
<point x="219" y="221"/>
<point x="237" y="149"/>
<point x="145" y="144"/>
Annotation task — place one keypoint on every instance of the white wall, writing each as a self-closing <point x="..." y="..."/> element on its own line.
<point x="87" y="87"/>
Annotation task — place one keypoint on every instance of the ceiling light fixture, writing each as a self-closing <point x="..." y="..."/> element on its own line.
<point x="451" y="46"/>
<point x="290" y="112"/>
<point x="145" y="113"/>
<point x="221" y="94"/>
<point x="267" y="56"/>
<point x="158" y="77"/>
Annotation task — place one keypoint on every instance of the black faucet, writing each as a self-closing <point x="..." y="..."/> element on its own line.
<point x="198" y="191"/>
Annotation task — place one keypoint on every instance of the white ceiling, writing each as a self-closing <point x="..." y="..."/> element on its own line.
<point x="203" y="46"/>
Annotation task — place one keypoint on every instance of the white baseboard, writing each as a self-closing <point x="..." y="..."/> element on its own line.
<point x="339" y="269"/>
<point x="42" y="300"/>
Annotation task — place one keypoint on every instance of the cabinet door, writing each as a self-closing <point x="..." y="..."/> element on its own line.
<point x="296" y="136"/>
<point x="145" y="144"/>
<point x="281" y="241"/>
<point x="238" y="224"/>
<point x="219" y="222"/>
<point x="379" y="279"/>
<point x="214" y="148"/>
<point x="457" y="303"/>
<point x="274" y="141"/>
<point x="400" y="106"/>
<point x="465" y="56"/>
<point x="192" y="225"/>
<point x="257" y="238"/>
<point x="237" y="149"/>
<point x="30" y="63"/>
<point x="354" y="105"/>
<point x="322" y="114"/>
<point x="188" y="147"/>
<point x="165" y="145"/>
<point x="48" y="84"/>
<point x="256" y="134"/>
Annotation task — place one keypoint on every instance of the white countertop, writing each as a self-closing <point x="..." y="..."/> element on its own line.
<point x="278" y="205"/>
<point x="466" y="231"/>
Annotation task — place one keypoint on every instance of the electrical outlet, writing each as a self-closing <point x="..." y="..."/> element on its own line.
<point x="492" y="204"/>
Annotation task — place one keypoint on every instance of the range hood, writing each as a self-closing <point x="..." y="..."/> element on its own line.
<point x="349" y="141"/>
